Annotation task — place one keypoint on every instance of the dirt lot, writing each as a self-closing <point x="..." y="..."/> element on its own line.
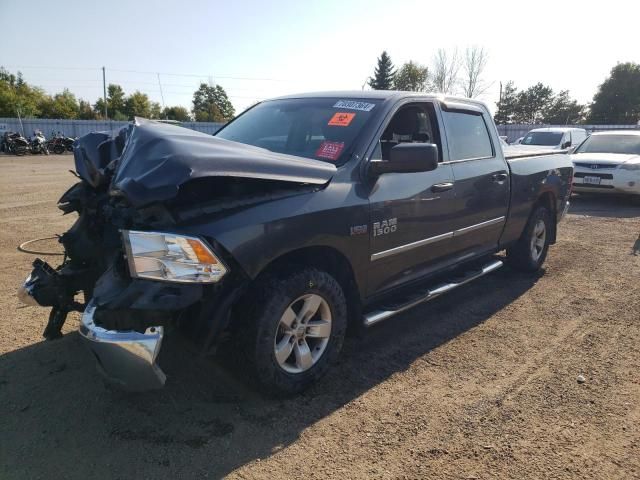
<point x="478" y="384"/>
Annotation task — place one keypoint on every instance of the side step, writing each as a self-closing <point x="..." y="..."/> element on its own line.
<point x="376" y="316"/>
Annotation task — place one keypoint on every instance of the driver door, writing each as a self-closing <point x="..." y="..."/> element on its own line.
<point x="411" y="213"/>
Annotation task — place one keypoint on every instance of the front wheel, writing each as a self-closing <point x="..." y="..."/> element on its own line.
<point x="530" y="251"/>
<point x="295" y="331"/>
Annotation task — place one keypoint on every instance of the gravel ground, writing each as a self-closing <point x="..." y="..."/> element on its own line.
<point x="481" y="383"/>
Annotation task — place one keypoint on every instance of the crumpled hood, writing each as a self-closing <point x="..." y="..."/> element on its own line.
<point x="158" y="158"/>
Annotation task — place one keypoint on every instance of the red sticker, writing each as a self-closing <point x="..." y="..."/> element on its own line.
<point x="341" y="119"/>
<point x="330" y="150"/>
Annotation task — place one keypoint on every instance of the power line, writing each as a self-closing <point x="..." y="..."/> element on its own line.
<point x="145" y="72"/>
<point x="96" y="69"/>
<point x="197" y="75"/>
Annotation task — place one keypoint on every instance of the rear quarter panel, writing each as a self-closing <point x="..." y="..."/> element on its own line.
<point x="533" y="176"/>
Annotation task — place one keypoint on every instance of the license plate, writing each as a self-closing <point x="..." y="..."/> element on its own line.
<point x="592" y="180"/>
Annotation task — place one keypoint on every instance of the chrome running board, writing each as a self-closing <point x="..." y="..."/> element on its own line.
<point x="376" y="316"/>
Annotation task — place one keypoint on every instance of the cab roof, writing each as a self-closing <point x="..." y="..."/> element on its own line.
<point x="381" y="95"/>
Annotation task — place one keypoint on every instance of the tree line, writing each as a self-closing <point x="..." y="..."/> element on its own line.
<point x="617" y="100"/>
<point x="450" y="72"/>
<point x="17" y="97"/>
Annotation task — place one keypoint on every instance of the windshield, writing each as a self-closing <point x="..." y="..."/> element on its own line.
<point x="624" y="144"/>
<point x="318" y="128"/>
<point x="549" y="139"/>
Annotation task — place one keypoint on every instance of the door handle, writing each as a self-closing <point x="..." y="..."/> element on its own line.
<point x="441" y="187"/>
<point x="499" y="177"/>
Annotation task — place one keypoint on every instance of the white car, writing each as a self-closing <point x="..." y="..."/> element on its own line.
<point x="555" y="138"/>
<point x="608" y="162"/>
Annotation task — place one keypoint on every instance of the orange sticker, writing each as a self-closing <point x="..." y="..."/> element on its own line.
<point x="341" y="119"/>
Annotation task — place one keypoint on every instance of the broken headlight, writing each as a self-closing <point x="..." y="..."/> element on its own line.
<point x="170" y="257"/>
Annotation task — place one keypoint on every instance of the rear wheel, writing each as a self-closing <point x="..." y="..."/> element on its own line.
<point x="295" y="330"/>
<point x="530" y="252"/>
<point x="58" y="149"/>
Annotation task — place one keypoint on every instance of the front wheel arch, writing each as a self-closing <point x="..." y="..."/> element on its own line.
<point x="323" y="258"/>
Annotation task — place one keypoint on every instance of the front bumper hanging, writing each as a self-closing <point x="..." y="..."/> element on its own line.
<point x="127" y="358"/>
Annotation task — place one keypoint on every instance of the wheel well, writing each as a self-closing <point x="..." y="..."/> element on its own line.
<point x="326" y="259"/>
<point x="547" y="200"/>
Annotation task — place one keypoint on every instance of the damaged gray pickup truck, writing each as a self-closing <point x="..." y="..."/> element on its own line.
<point x="304" y="215"/>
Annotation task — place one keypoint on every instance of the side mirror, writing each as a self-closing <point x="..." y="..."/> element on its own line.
<point x="407" y="158"/>
<point x="566" y="144"/>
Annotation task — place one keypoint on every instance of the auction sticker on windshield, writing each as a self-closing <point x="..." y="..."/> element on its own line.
<point x="330" y="150"/>
<point x="341" y="119"/>
<point x="354" y="105"/>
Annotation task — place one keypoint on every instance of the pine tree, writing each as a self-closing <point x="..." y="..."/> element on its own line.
<point x="384" y="74"/>
<point x="507" y="104"/>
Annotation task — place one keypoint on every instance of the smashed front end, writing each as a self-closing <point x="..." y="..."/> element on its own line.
<point x="127" y="256"/>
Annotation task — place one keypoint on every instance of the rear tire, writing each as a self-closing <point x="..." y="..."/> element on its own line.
<point x="294" y="331"/>
<point x="530" y="251"/>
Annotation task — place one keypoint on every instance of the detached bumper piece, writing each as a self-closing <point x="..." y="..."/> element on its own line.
<point x="126" y="358"/>
<point x="48" y="287"/>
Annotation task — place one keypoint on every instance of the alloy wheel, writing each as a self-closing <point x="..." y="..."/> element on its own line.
<point x="303" y="333"/>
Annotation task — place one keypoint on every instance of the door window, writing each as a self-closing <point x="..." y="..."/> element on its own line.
<point x="467" y="136"/>
<point x="414" y="123"/>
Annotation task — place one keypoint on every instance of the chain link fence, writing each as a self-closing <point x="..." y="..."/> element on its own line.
<point x="77" y="128"/>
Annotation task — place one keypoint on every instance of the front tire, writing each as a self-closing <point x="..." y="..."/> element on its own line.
<point x="530" y="251"/>
<point x="295" y="330"/>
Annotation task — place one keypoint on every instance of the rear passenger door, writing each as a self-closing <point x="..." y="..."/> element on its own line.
<point x="481" y="178"/>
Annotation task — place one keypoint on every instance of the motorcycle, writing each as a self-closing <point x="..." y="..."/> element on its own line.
<point x="15" y="143"/>
<point x="56" y="145"/>
<point x="68" y="143"/>
<point x="59" y="143"/>
<point x="38" y="143"/>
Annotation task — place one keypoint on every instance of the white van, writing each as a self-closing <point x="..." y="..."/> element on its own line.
<point x="559" y="138"/>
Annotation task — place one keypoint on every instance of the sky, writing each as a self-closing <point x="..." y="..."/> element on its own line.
<point x="257" y="49"/>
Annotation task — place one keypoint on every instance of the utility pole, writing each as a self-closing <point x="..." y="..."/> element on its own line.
<point x="104" y="92"/>
<point x="161" y="94"/>
<point x="20" y="120"/>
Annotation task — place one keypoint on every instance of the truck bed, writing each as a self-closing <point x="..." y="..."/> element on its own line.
<point x="516" y="152"/>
